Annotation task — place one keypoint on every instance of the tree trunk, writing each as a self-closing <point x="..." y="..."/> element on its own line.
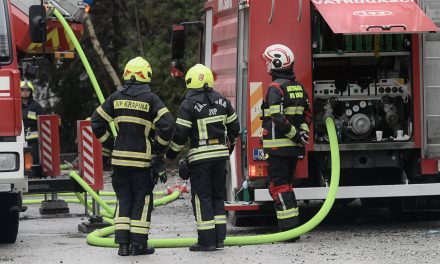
<point x="101" y="54"/>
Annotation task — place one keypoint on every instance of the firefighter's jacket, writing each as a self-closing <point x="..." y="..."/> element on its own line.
<point x="286" y="111"/>
<point x="29" y="113"/>
<point x="144" y="124"/>
<point x="209" y="121"/>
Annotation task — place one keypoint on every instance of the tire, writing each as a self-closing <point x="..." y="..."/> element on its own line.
<point x="10" y="218"/>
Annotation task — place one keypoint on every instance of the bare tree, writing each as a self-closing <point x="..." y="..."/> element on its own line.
<point x="101" y="54"/>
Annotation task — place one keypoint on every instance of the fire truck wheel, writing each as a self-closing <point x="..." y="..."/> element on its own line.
<point x="10" y="217"/>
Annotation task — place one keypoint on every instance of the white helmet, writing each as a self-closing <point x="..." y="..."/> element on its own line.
<point x="279" y="56"/>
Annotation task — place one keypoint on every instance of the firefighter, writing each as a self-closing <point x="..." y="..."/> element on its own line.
<point x="30" y="109"/>
<point x="145" y="128"/>
<point x="286" y="120"/>
<point x="209" y="121"/>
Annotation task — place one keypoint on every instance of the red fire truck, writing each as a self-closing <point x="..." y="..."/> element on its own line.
<point x="372" y="64"/>
<point x="17" y="20"/>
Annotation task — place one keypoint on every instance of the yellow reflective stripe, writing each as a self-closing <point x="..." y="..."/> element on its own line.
<point x="122" y="220"/>
<point x="266" y="112"/>
<point x="145" y="209"/>
<point x="198" y="211"/>
<point x="32" y="135"/>
<point x="305" y="127"/>
<point x="103" y="114"/>
<point x="202" y="124"/>
<point x="162" y="142"/>
<point x="231" y="118"/>
<point x="194" y="151"/>
<point x="140" y="223"/>
<point x="139" y="230"/>
<point x="132" y="119"/>
<point x="122" y="227"/>
<point x="184" y="122"/>
<point x="275" y="109"/>
<point x="176" y="147"/>
<point x="205" y="225"/>
<point x="131" y="154"/>
<point x="283" y="142"/>
<point x="288" y="213"/>
<point x="32" y="115"/>
<point x="220" y="219"/>
<point x="130" y="163"/>
<point x="292" y="132"/>
<point x="294" y="110"/>
<point x="104" y="137"/>
<point x="160" y="113"/>
<point x="216" y="154"/>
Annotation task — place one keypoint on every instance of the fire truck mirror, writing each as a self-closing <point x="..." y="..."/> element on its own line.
<point x="178" y="42"/>
<point x="37" y="23"/>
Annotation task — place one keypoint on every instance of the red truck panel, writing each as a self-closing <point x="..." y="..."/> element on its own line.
<point x="57" y="40"/>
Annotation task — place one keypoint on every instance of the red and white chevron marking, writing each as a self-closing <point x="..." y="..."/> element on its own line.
<point x="88" y="167"/>
<point x="46" y="146"/>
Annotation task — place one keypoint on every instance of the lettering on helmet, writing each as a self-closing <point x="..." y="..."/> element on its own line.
<point x="132" y="105"/>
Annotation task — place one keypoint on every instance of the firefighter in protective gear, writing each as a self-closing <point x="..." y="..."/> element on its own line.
<point x="210" y="122"/>
<point x="30" y="109"/>
<point x="145" y="128"/>
<point x="286" y="120"/>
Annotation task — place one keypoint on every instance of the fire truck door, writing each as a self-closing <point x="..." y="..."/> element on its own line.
<point x="431" y="84"/>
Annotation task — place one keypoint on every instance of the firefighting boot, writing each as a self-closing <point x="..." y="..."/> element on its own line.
<point x="198" y="247"/>
<point x="220" y="245"/>
<point x="141" y="250"/>
<point x="123" y="249"/>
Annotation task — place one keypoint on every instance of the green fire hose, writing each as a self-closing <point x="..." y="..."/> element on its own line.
<point x="98" y="237"/>
<point x="84" y="61"/>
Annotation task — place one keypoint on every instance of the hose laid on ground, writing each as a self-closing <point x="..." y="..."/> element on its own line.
<point x="98" y="237"/>
<point x="84" y="60"/>
<point x="102" y="193"/>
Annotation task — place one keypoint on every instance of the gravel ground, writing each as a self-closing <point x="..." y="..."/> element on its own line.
<point x="348" y="235"/>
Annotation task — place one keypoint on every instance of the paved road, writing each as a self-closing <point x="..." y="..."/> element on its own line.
<point x="349" y="235"/>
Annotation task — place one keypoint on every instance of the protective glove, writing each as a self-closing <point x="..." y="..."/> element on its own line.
<point x="158" y="170"/>
<point x="184" y="169"/>
<point x="301" y="137"/>
<point x="304" y="137"/>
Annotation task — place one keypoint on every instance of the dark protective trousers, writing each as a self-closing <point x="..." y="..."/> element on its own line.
<point x="281" y="170"/>
<point x="134" y="190"/>
<point x="208" y="181"/>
